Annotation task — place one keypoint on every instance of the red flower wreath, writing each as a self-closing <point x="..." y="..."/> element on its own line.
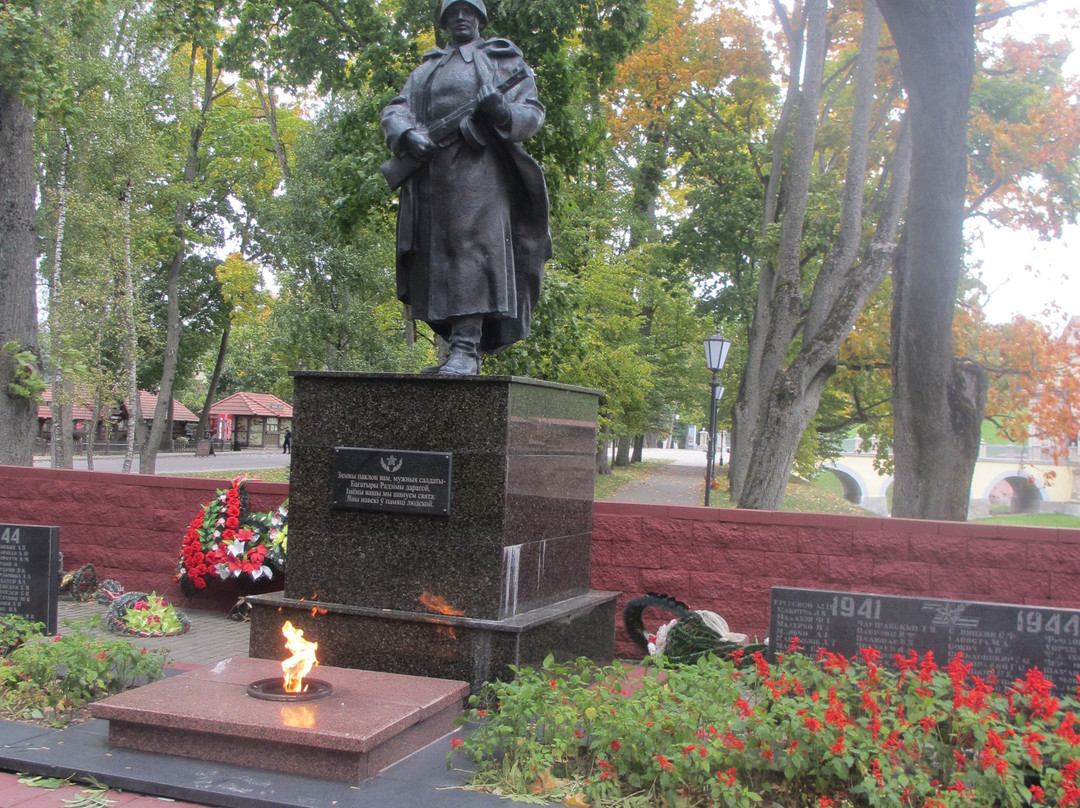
<point x="243" y="554"/>
<point x="216" y="546"/>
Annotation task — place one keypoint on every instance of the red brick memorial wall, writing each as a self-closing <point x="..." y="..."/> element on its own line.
<point x="728" y="560"/>
<point x="130" y="528"/>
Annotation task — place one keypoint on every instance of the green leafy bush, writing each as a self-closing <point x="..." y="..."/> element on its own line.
<point x="804" y="732"/>
<point x="48" y="679"/>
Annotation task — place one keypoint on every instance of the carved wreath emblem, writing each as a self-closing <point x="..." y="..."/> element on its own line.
<point x="391" y="464"/>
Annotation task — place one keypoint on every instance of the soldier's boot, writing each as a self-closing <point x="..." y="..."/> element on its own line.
<point x="464" y="358"/>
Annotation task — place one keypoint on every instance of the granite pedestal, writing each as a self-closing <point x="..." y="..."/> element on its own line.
<point x="368" y="722"/>
<point x="476" y="553"/>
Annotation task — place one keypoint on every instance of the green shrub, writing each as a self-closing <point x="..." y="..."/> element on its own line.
<point x="804" y="732"/>
<point x="49" y="678"/>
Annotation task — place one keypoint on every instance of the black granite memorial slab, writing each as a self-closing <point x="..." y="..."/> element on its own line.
<point x="30" y="572"/>
<point x="1005" y="639"/>
<point x="393" y="481"/>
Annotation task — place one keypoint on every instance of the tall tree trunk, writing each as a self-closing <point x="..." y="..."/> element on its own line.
<point x="91" y="436"/>
<point x="211" y="390"/>
<point x="779" y="306"/>
<point x="840" y="290"/>
<point x="268" y="102"/>
<point x="131" y="338"/>
<point x="18" y="297"/>
<point x="747" y="406"/>
<point x="938" y="401"/>
<point x="603" y="465"/>
<point x="162" y="419"/>
<point x="61" y="447"/>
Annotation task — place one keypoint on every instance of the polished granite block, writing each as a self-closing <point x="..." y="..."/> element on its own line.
<point x="369" y="721"/>
<point x="525" y="580"/>
<point x="523" y="459"/>
<point x="444" y="646"/>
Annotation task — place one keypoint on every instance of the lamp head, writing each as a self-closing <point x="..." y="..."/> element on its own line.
<point x="716" y="351"/>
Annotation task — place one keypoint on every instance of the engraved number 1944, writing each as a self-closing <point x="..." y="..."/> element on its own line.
<point x="1032" y="622"/>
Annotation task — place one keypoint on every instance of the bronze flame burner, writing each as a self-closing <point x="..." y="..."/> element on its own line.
<point x="274" y="690"/>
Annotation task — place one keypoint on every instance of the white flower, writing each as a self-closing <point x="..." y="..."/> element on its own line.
<point x="236" y="548"/>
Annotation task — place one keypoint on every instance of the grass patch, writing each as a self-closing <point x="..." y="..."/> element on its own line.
<point x="278" y="475"/>
<point x="1033" y="520"/>
<point x="607" y="485"/>
<point x="821" y="495"/>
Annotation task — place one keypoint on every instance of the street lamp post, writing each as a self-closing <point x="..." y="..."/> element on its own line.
<point x="716" y="351"/>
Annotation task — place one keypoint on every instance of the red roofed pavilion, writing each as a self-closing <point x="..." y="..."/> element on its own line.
<point x="254" y="420"/>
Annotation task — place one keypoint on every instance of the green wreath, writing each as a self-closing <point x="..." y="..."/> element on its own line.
<point x="116" y="622"/>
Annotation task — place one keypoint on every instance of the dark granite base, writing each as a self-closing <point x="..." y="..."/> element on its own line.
<point x="518" y="457"/>
<point x="450" y="647"/>
<point x="370" y="721"/>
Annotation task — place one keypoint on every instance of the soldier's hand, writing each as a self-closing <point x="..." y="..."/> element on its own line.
<point x="494" y="106"/>
<point x="419" y="145"/>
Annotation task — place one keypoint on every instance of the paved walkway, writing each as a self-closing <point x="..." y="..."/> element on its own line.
<point x="681" y="481"/>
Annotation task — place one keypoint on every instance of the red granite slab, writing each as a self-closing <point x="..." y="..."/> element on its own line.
<point x="370" y="721"/>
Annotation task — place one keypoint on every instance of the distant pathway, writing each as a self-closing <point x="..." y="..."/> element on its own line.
<point x="680" y="482"/>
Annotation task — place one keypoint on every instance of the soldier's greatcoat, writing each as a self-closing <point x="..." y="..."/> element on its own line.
<point x="472" y="234"/>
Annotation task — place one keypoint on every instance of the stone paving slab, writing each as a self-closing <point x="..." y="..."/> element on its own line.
<point x="212" y="638"/>
<point x="421" y="779"/>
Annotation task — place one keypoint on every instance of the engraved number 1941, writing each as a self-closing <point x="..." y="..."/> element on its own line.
<point x="847" y="606"/>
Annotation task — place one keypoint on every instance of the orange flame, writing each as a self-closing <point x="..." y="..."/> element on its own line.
<point x="302" y="660"/>
<point x="437" y="603"/>
<point x="297" y="715"/>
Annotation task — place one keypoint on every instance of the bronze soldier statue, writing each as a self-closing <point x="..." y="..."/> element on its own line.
<point x="472" y="232"/>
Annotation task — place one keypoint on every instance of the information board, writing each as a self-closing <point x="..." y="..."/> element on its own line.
<point x="1004" y="638"/>
<point x="30" y="572"/>
<point x="392" y="480"/>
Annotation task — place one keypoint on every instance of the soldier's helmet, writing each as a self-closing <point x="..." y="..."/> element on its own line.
<point x="477" y="4"/>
